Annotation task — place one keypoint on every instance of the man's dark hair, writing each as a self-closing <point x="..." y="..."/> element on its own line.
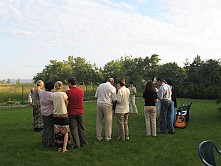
<point x="49" y="86"/>
<point x="169" y="81"/>
<point x="131" y="82"/>
<point x="159" y="79"/>
<point x="122" y="81"/>
<point x="72" y="80"/>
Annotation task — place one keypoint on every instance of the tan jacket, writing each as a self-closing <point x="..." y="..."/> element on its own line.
<point x="122" y="100"/>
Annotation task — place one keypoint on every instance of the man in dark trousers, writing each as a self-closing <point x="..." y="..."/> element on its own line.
<point x="164" y="95"/>
<point x="76" y="113"/>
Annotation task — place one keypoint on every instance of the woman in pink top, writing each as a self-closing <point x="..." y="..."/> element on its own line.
<point x="47" y="114"/>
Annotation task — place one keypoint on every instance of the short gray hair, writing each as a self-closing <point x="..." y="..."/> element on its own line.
<point x="111" y="80"/>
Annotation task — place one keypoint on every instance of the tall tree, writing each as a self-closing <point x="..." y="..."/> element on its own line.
<point x="194" y="68"/>
<point x="172" y="71"/>
<point x="114" y="69"/>
<point x="151" y="67"/>
<point x="83" y="70"/>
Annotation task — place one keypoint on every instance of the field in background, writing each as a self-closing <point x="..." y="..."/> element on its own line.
<point x="12" y="94"/>
<point x="20" y="145"/>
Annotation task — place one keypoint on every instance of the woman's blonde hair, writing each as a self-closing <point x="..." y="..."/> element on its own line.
<point x="58" y="85"/>
<point x="40" y="82"/>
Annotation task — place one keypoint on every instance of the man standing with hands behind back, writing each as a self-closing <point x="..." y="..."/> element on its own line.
<point x="76" y="113"/>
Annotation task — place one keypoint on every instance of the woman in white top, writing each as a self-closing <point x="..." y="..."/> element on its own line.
<point x="61" y="127"/>
<point x="122" y="110"/>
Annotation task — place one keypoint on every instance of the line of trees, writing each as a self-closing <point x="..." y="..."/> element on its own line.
<point x="198" y="79"/>
<point x="8" y="81"/>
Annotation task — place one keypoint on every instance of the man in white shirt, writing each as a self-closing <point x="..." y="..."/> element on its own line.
<point x="105" y="94"/>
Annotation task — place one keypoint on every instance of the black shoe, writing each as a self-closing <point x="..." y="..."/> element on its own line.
<point x="38" y="129"/>
<point x="51" y="145"/>
<point x="85" y="144"/>
<point x="171" y="132"/>
<point x="75" y="147"/>
<point x="69" y="147"/>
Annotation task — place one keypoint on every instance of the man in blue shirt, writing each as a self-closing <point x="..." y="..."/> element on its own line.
<point x="164" y="95"/>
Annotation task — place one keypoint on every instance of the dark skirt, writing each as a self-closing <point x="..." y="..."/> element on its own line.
<point x="61" y="127"/>
<point x="38" y="121"/>
<point x="48" y="130"/>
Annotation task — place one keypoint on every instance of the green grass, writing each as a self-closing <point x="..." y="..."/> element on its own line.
<point x="20" y="145"/>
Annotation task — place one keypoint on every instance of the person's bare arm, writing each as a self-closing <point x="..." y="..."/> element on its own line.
<point x="66" y="102"/>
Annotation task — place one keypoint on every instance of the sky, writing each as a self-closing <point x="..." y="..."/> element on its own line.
<point x="34" y="32"/>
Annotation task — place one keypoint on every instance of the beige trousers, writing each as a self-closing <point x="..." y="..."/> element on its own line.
<point x="104" y="111"/>
<point x="132" y="105"/>
<point x="122" y="125"/>
<point x="150" y="119"/>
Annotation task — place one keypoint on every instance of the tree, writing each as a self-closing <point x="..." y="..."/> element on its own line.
<point x="132" y="69"/>
<point x="186" y="65"/>
<point x="205" y="78"/>
<point x="3" y="81"/>
<point x="202" y="77"/>
<point x="55" y="71"/>
<point x="194" y="68"/>
<point x="83" y="70"/>
<point x="114" y="69"/>
<point x="172" y="71"/>
<point x="151" y="67"/>
<point x="74" y="67"/>
<point x="154" y="60"/>
<point x="218" y="99"/>
<point x="8" y="81"/>
<point x="18" y="82"/>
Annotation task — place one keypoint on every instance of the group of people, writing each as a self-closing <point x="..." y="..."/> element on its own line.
<point x="159" y="101"/>
<point x="110" y="98"/>
<point x="61" y="114"/>
<point x="162" y="99"/>
<point x="122" y="101"/>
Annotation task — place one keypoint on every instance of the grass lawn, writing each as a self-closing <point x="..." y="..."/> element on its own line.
<point x="20" y="145"/>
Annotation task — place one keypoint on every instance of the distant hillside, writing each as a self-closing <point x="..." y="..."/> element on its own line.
<point x="21" y="80"/>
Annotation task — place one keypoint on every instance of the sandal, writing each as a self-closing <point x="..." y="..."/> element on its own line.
<point x="59" y="150"/>
<point x="63" y="151"/>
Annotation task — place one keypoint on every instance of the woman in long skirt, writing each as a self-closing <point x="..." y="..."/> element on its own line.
<point x="47" y="114"/>
<point x="61" y="127"/>
<point x="38" y="121"/>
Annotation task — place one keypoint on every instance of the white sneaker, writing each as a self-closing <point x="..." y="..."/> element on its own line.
<point x="127" y="138"/>
<point x="99" y="138"/>
<point x="107" y="139"/>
